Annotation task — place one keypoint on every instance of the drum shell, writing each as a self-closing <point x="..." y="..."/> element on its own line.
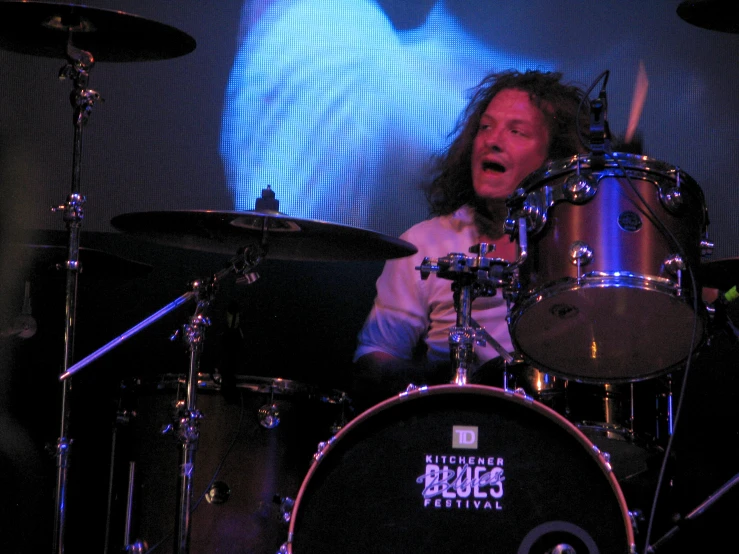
<point x="596" y="223"/>
<point x="629" y="421"/>
<point x="260" y="467"/>
<point x="368" y="483"/>
<point x="625" y="316"/>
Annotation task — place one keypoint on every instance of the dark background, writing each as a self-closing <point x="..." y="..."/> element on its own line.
<point x="153" y="144"/>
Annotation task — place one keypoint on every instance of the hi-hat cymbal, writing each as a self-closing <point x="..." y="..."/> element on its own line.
<point x="44" y="29"/>
<point x="716" y="15"/>
<point x="50" y="261"/>
<point x="281" y="237"/>
<point x="719" y="274"/>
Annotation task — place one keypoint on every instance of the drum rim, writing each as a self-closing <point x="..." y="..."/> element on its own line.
<point x="554" y="289"/>
<point x="427" y="391"/>
<point x="605" y="279"/>
<point x="619" y="160"/>
<point x="276" y="386"/>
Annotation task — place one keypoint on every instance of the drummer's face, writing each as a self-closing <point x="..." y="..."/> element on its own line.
<point x="511" y="142"/>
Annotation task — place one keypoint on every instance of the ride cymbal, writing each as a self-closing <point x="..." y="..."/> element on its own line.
<point x="277" y="235"/>
<point x="45" y="29"/>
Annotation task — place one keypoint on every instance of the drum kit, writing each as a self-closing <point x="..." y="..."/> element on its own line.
<point x="604" y="295"/>
<point x="602" y="305"/>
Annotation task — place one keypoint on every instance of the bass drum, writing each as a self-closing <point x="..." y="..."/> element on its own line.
<point x="257" y="437"/>
<point x="455" y="468"/>
<point x="605" y="295"/>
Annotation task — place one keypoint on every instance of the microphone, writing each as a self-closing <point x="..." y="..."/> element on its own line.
<point x="600" y="134"/>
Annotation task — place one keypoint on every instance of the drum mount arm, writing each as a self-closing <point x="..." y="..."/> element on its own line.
<point x="516" y="225"/>
<point x="471" y="276"/>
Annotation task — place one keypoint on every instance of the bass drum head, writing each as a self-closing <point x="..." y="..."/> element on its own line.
<point x="452" y="468"/>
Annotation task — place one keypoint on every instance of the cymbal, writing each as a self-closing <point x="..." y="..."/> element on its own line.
<point x="281" y="236"/>
<point x="43" y="29"/>
<point x="51" y="260"/>
<point x="719" y="274"/>
<point x="716" y="15"/>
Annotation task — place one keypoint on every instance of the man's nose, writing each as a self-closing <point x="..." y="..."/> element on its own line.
<point x="494" y="140"/>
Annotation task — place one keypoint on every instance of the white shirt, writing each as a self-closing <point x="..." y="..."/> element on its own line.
<point x="408" y="309"/>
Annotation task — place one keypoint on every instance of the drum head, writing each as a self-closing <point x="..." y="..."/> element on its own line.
<point x="454" y="468"/>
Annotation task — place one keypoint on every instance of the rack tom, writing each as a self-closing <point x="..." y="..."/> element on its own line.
<point x="605" y="294"/>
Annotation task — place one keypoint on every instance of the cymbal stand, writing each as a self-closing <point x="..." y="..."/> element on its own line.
<point x="188" y="416"/>
<point x="472" y="276"/>
<point x="79" y="64"/>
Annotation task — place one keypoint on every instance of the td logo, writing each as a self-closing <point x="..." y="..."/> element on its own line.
<point x="464" y="436"/>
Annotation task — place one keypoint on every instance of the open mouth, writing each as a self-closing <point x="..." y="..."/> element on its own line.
<point x="493" y="167"/>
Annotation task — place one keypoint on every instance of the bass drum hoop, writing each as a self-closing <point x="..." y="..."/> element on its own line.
<point x="343" y="447"/>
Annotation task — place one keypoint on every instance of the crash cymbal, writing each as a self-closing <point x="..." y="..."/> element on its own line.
<point x="44" y="29"/>
<point x="283" y="237"/>
<point x="51" y="261"/>
<point x="719" y="274"/>
<point x="716" y="15"/>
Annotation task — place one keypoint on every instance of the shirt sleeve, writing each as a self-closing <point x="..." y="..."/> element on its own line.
<point x="399" y="317"/>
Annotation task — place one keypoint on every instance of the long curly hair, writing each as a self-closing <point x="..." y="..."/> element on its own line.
<point x="451" y="185"/>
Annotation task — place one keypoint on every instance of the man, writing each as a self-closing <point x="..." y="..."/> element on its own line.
<point x="514" y="123"/>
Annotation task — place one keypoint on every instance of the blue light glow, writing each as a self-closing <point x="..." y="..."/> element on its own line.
<point x="339" y="113"/>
